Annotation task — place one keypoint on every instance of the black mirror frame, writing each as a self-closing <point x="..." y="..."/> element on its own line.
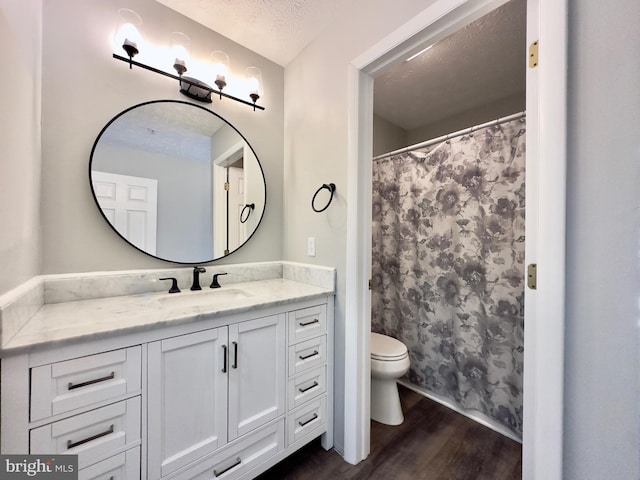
<point x="95" y="144"/>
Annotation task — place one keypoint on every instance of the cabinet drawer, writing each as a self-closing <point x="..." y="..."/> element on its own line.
<point x="305" y="386"/>
<point x="239" y="457"/>
<point x="82" y="382"/>
<point x="124" y="466"/>
<point x="307" y="323"/>
<point x="306" y="355"/>
<point x="93" y="435"/>
<point x="306" y="419"/>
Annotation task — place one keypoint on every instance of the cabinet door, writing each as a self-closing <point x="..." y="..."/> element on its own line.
<point x="257" y="373"/>
<point x="187" y="398"/>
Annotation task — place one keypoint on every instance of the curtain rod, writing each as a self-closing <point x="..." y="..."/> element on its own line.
<point x="448" y="136"/>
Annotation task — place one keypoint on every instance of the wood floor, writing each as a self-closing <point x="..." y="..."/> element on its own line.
<point x="433" y="443"/>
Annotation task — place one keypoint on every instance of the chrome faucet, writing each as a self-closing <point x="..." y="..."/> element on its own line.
<point x="196" y="277"/>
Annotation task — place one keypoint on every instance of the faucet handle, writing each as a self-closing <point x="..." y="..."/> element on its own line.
<point x="214" y="282"/>
<point x="174" y="284"/>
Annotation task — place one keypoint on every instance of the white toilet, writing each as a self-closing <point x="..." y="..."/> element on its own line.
<point x="389" y="361"/>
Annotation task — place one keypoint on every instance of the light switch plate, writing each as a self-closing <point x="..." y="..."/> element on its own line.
<point x="311" y="246"/>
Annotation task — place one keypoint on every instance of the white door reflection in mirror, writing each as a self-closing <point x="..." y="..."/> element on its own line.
<point x="130" y="204"/>
<point x="230" y="176"/>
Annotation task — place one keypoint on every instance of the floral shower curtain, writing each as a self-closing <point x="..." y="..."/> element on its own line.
<point x="448" y="266"/>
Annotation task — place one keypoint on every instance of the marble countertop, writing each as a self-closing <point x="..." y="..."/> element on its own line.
<point x="56" y="323"/>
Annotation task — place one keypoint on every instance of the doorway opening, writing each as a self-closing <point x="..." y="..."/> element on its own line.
<point x="448" y="239"/>
<point x="546" y="165"/>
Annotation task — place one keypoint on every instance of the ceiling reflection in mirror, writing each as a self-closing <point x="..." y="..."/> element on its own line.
<point x="177" y="181"/>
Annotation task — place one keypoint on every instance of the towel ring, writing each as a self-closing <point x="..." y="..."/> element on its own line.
<point x="250" y="207"/>
<point x="332" y="188"/>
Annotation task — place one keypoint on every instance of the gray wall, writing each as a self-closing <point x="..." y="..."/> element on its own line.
<point x="316" y="145"/>
<point x="601" y="371"/>
<point x="83" y="92"/>
<point x="20" y="57"/>
<point x="485" y="113"/>
<point x="387" y="137"/>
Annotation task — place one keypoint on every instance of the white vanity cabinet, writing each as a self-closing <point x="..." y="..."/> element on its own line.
<point x="221" y="396"/>
<point x="211" y="387"/>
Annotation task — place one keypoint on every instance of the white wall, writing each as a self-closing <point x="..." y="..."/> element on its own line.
<point x="601" y="372"/>
<point x="20" y="55"/>
<point x="316" y="145"/>
<point x="83" y="88"/>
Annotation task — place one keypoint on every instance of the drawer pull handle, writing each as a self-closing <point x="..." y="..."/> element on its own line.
<point x="306" y="324"/>
<point x="235" y="355"/>
<point x="72" y="386"/>
<point x="302" y="390"/>
<point x="218" y="473"/>
<point x="224" y="359"/>
<point x="304" y="357"/>
<point x="302" y="424"/>
<point x="71" y="444"/>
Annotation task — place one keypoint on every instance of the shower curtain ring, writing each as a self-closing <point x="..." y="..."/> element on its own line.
<point x="332" y="188"/>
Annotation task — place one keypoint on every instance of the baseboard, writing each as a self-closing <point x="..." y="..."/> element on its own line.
<point x="476" y="416"/>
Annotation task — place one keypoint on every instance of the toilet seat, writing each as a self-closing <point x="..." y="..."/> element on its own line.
<point x="387" y="349"/>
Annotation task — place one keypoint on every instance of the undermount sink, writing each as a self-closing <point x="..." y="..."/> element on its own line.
<point x="203" y="298"/>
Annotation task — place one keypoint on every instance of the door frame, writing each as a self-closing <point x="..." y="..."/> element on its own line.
<point x="546" y="192"/>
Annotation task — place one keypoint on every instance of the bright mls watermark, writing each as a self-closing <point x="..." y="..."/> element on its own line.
<point x="51" y="467"/>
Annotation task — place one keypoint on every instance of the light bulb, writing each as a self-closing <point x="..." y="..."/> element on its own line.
<point x="127" y="35"/>
<point x="254" y="83"/>
<point x="180" y="44"/>
<point x="220" y="62"/>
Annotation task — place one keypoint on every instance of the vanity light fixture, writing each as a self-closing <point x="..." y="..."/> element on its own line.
<point x="128" y="38"/>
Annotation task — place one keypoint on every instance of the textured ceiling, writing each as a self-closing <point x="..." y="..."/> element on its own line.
<point x="276" y="29"/>
<point x="479" y="64"/>
<point x="172" y="129"/>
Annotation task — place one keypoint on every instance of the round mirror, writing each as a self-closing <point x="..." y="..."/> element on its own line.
<point x="177" y="181"/>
